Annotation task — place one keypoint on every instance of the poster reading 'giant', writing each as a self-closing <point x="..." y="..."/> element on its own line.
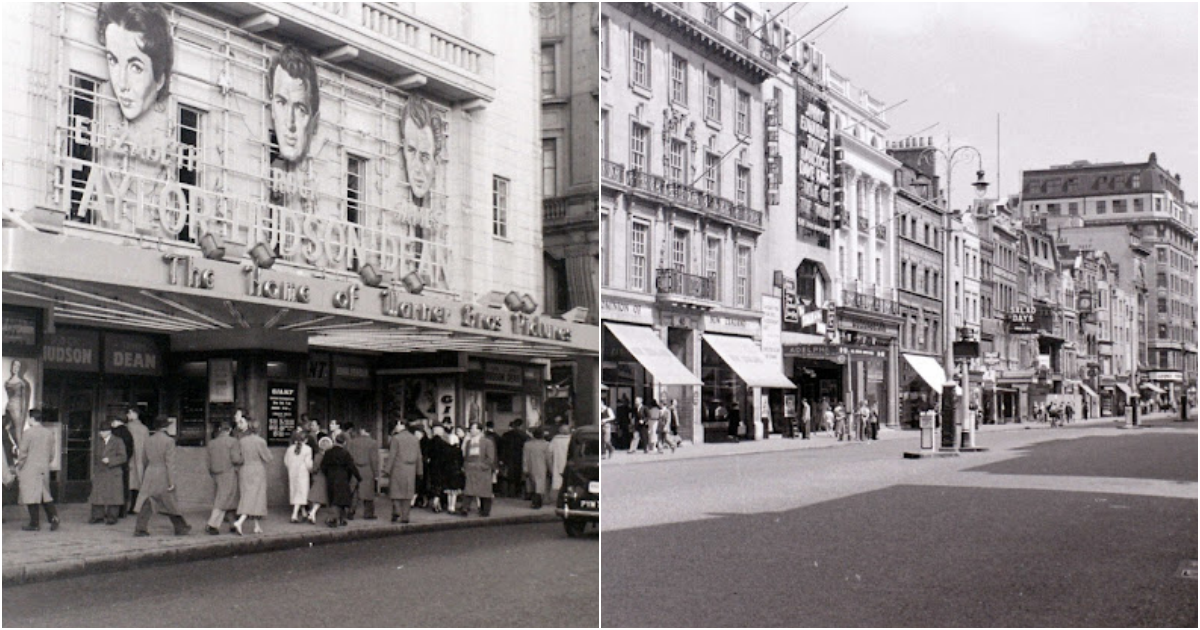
<point x="812" y="163"/>
<point x="271" y="156"/>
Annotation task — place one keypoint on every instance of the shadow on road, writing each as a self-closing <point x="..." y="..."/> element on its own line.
<point x="1165" y="456"/>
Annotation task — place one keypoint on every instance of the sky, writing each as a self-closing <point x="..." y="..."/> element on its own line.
<point x="1103" y="82"/>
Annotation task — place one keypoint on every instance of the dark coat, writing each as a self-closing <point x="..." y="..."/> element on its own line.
<point x="107" y="486"/>
<point x="510" y="450"/>
<point x="339" y="469"/>
<point x="365" y="453"/>
<point x="126" y="436"/>
<point x="444" y="470"/>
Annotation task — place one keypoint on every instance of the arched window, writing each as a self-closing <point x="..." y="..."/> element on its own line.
<point x="810" y="283"/>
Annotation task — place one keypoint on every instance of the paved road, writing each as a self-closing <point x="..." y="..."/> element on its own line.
<point x="521" y="575"/>
<point x="1072" y="527"/>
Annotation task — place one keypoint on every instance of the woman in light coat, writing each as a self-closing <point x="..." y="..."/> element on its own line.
<point x="299" y="463"/>
<point x="252" y="481"/>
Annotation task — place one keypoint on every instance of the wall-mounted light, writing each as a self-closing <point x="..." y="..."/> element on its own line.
<point x="370" y="276"/>
<point x="413" y="283"/>
<point x="513" y="301"/>
<point x="528" y="305"/>
<point x="262" y="256"/>
<point x="211" y="247"/>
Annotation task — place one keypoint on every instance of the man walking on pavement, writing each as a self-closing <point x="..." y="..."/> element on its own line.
<point x="33" y="472"/>
<point x="510" y="449"/>
<point x="637" y="423"/>
<point x="805" y="419"/>
<point x="224" y="456"/>
<point x="536" y="466"/>
<point x="405" y="464"/>
<point x="158" y="489"/>
<point x="366" y="458"/>
<point x="136" y="470"/>
<point x="107" y="491"/>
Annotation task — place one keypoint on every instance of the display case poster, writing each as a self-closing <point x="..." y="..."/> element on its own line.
<point x="789" y="405"/>
<point x="20" y="392"/>
<point x="220" y="381"/>
<point x="282" y="405"/>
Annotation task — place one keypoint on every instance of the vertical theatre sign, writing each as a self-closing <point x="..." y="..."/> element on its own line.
<point x="812" y="165"/>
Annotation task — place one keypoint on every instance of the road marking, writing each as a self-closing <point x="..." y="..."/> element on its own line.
<point x="1170" y="489"/>
<point x="1187" y="569"/>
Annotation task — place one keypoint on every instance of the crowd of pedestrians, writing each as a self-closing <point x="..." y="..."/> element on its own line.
<point x="646" y="426"/>
<point x="433" y="466"/>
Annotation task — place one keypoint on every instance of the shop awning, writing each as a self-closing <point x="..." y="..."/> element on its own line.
<point x="929" y="369"/>
<point x="1129" y="393"/>
<point x="652" y="353"/>
<point x="1089" y="391"/>
<point x="748" y="361"/>
<point x="1154" y="388"/>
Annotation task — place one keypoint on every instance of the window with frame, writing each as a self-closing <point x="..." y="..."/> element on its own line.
<point x="639" y="264"/>
<point x="190" y="134"/>
<point x="677" y="162"/>
<point x="712" y="264"/>
<point x="1137" y="205"/>
<point x="1101" y="206"/>
<point x="605" y="246"/>
<point x="712" y="97"/>
<point x="549" y="70"/>
<point x="82" y="116"/>
<point x="741" y="295"/>
<point x="639" y="146"/>
<point x="604" y="56"/>
<point x="640" y="58"/>
<point x="742" y="126"/>
<point x="712" y="173"/>
<point x="356" y="170"/>
<point x="500" y="193"/>
<point x="743" y="185"/>
<point x="1118" y="205"/>
<point x="679" y="73"/>
<point x="1072" y="208"/>
<point x="549" y="168"/>
<point x="604" y="134"/>
<point x="679" y="250"/>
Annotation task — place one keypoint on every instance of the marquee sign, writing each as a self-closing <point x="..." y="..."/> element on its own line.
<point x="812" y="163"/>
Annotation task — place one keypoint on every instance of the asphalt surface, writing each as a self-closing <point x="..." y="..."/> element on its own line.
<point x="1075" y="528"/>
<point x="519" y="575"/>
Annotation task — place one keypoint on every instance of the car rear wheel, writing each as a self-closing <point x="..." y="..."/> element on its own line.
<point x="574" y="528"/>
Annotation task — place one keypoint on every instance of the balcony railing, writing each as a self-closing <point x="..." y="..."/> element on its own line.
<point x="612" y="171"/>
<point x="866" y="302"/>
<point x="683" y="195"/>
<point x="675" y="282"/>
<point x="563" y="211"/>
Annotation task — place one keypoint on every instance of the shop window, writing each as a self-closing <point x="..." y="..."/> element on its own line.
<point x="500" y="187"/>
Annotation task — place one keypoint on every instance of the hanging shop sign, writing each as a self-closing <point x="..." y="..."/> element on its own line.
<point x="772" y="330"/>
<point x="1021" y="320"/>
<point x="72" y="350"/>
<point x="1084" y="301"/>
<point x="812" y="163"/>
<point x="132" y="354"/>
<point x="22" y="331"/>
<point x="774" y="170"/>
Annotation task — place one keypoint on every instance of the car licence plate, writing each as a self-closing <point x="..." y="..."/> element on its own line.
<point x="594" y="487"/>
<point x="589" y="505"/>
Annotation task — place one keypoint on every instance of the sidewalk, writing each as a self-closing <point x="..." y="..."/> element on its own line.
<point x="81" y="549"/>
<point x="777" y="443"/>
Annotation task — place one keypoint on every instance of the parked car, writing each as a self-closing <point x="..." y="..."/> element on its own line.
<point x="579" y="498"/>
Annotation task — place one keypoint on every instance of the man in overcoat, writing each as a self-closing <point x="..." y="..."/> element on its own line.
<point x="365" y="452"/>
<point x="123" y="433"/>
<point x="405" y="464"/>
<point x="536" y="465"/>
<point x="510" y="449"/>
<point x="33" y="472"/>
<point x="158" y="485"/>
<point x="224" y="457"/>
<point x="108" y="492"/>
<point x="339" y="469"/>
<point x="140" y="434"/>
<point x="479" y="463"/>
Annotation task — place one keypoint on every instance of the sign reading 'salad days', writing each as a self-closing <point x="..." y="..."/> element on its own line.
<point x="319" y="178"/>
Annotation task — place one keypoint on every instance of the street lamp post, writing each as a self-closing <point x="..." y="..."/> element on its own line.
<point x="951" y="155"/>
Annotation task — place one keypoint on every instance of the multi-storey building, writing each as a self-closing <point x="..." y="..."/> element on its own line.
<point x="570" y="186"/>
<point x="325" y="211"/>
<point x="864" y="244"/>
<point x="1005" y="353"/>
<point x="919" y="222"/>
<point x="1116" y="204"/>
<point x="682" y="209"/>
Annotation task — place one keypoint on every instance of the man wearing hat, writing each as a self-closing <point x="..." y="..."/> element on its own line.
<point x="108" y="492"/>
<point x="122" y="432"/>
<point x="405" y="464"/>
<point x="365" y="451"/>
<point x="158" y="486"/>
<point x="224" y="457"/>
<point x="33" y="471"/>
<point x="511" y="451"/>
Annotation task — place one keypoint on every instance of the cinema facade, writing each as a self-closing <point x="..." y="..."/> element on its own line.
<point x="365" y="246"/>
